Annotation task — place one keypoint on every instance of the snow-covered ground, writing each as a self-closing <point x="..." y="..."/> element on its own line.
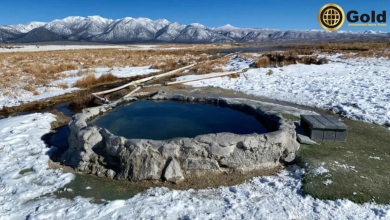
<point x="33" y="48"/>
<point x="356" y="88"/>
<point x="45" y="92"/>
<point x="24" y="96"/>
<point x="153" y="47"/>
<point x="237" y="63"/>
<point x="363" y="83"/>
<point x="272" y="197"/>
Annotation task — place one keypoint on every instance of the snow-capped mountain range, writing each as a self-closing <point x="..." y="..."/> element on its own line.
<point x="138" y="30"/>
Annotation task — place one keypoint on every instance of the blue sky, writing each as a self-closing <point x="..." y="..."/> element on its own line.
<point x="283" y="15"/>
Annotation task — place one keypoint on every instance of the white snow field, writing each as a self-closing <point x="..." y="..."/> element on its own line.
<point x="23" y="96"/>
<point x="27" y="196"/>
<point x="34" y="48"/>
<point x="355" y="88"/>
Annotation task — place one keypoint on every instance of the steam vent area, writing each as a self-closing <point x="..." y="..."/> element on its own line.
<point x="176" y="138"/>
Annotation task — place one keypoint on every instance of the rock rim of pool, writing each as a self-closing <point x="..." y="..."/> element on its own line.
<point x="96" y="151"/>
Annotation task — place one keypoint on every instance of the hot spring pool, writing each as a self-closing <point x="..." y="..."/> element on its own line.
<point x="161" y="120"/>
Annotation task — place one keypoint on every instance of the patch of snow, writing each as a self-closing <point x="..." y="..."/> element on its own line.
<point x="33" y="48"/>
<point x="271" y="197"/>
<point x="27" y="96"/>
<point x="188" y="77"/>
<point x="375" y="158"/>
<point x="237" y="63"/>
<point x="347" y="167"/>
<point x="21" y="148"/>
<point x="327" y="182"/>
<point x="153" y="47"/>
<point x="320" y="170"/>
<point x="355" y="88"/>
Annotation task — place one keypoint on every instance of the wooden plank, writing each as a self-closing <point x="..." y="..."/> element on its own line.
<point x="102" y="100"/>
<point x="132" y="92"/>
<point x="149" y="78"/>
<point x="143" y="80"/>
<point x="206" y="77"/>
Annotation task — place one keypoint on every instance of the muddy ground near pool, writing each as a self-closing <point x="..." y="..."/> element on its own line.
<point x="215" y="180"/>
<point x="194" y="182"/>
<point x="102" y="190"/>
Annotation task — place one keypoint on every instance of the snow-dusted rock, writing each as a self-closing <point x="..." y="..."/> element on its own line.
<point x="173" y="172"/>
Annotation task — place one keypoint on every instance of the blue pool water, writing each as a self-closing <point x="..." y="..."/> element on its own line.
<point x="160" y="120"/>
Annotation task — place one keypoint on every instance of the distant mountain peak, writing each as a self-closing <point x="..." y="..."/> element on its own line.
<point x="228" y="26"/>
<point x="135" y="30"/>
<point x="197" y="25"/>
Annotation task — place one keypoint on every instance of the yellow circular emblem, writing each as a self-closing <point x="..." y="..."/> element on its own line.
<point x="331" y="17"/>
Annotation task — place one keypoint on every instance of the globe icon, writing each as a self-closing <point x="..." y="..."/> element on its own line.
<point x="331" y="17"/>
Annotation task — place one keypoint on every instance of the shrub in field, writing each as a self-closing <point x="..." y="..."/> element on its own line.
<point x="82" y="100"/>
<point x="322" y="61"/>
<point x="269" y="72"/>
<point x="86" y="81"/>
<point x="32" y="89"/>
<point x="63" y="86"/>
<point x="262" y="62"/>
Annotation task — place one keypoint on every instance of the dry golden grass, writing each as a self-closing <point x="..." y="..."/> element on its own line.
<point x="287" y="58"/>
<point x="32" y="89"/>
<point x="207" y="64"/>
<point x="234" y="76"/>
<point x="383" y="53"/>
<point x="29" y="88"/>
<point x="248" y="56"/>
<point x="82" y="100"/>
<point x="262" y="62"/>
<point x="270" y="72"/>
<point x="359" y="46"/>
<point x="42" y="68"/>
<point x="361" y="49"/>
<point x="90" y="80"/>
<point x="63" y="86"/>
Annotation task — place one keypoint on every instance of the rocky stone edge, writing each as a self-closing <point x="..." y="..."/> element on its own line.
<point x="95" y="150"/>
